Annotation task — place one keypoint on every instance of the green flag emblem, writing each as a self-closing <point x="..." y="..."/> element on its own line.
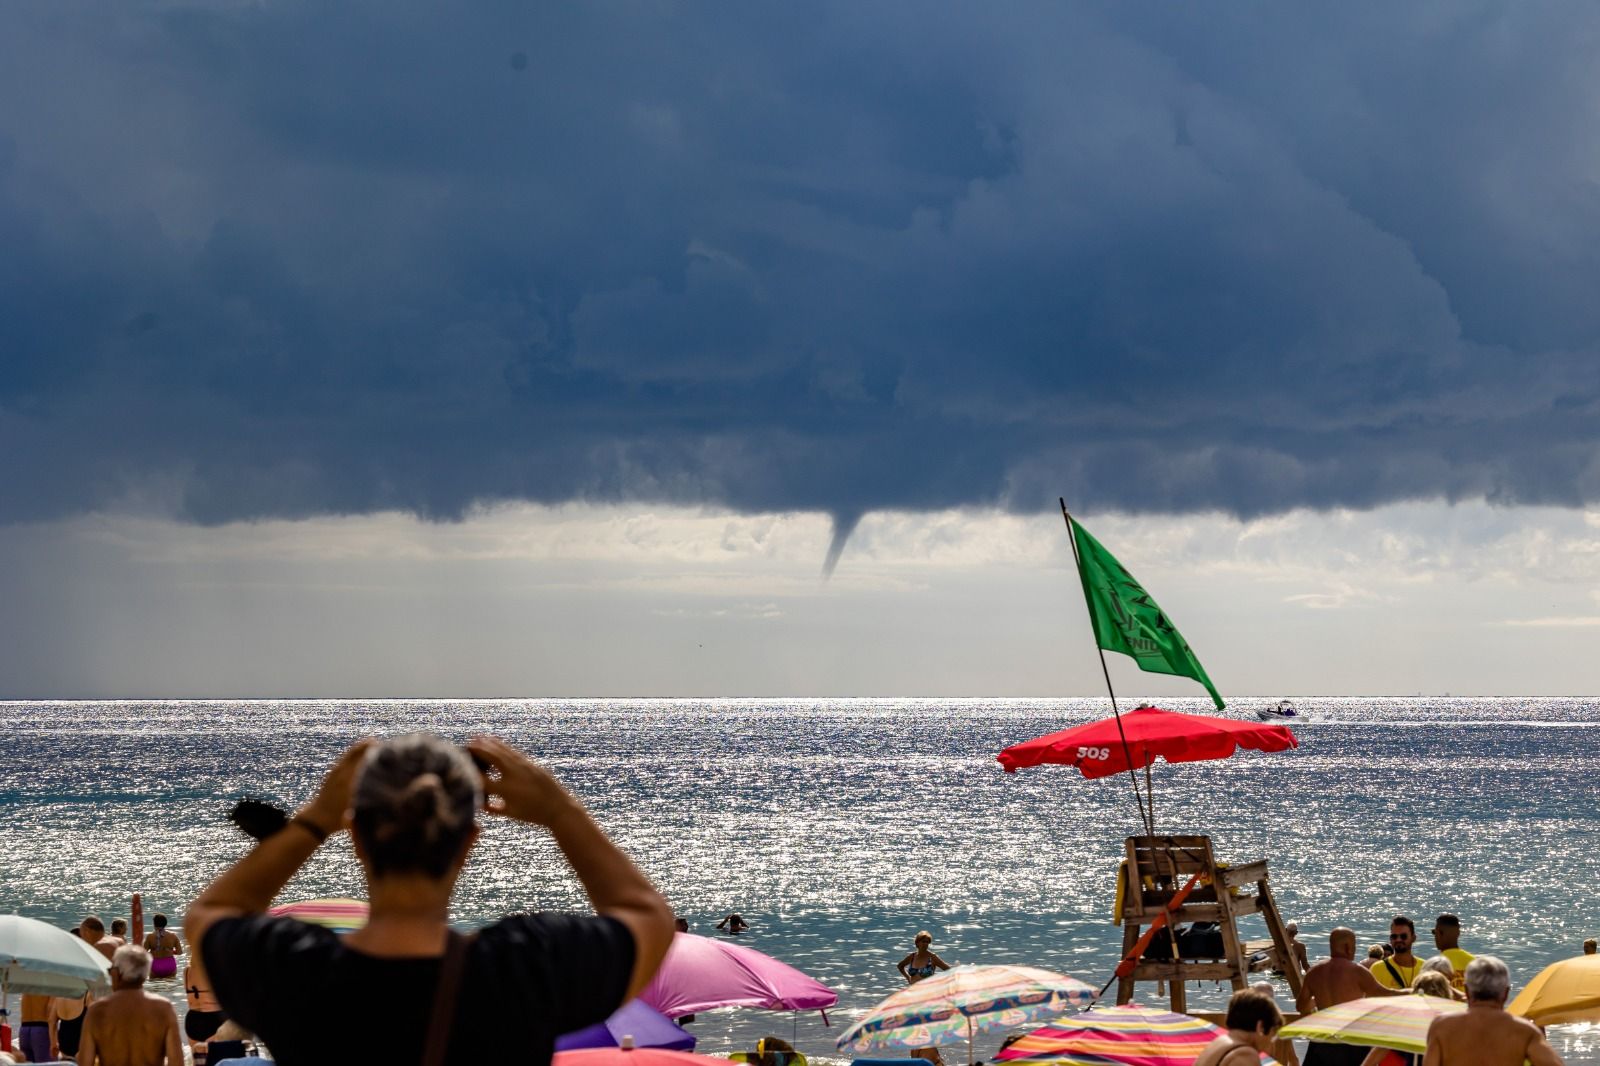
<point x="1128" y="621"/>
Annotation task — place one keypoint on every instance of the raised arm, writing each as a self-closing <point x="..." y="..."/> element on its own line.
<point x="522" y="789"/>
<point x="249" y="885"/>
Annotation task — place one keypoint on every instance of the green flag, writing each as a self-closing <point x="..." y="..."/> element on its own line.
<point x="1127" y="620"/>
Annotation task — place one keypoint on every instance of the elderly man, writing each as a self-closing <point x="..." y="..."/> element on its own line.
<point x="1333" y="981"/>
<point x="131" y="1027"/>
<point x="1486" y="1035"/>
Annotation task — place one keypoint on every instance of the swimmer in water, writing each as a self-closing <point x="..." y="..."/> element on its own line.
<point x="734" y="923"/>
<point x="164" y="948"/>
<point x="922" y="962"/>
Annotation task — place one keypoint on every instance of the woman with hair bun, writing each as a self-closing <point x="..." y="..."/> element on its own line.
<point x="410" y="989"/>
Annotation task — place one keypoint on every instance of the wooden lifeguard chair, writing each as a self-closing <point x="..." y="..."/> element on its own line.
<point x="1155" y="873"/>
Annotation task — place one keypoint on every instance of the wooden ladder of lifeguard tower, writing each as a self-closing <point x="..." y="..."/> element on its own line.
<point x="1156" y="870"/>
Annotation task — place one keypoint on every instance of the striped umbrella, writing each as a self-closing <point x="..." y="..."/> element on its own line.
<point x="949" y="1008"/>
<point x="1399" y="1023"/>
<point x="340" y="914"/>
<point x="1130" y="1035"/>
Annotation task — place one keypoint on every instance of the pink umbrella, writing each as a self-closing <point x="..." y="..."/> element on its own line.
<point x="701" y="974"/>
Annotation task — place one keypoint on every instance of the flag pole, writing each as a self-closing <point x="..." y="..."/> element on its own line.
<point x="1149" y="819"/>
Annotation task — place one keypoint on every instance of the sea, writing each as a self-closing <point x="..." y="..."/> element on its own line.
<point x="839" y="828"/>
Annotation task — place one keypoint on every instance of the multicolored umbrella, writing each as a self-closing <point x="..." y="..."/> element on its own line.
<point x="1399" y="1023"/>
<point x="1130" y="1035"/>
<point x="954" y="1005"/>
<point x="1565" y="991"/>
<point x="701" y="974"/>
<point x="340" y="914"/>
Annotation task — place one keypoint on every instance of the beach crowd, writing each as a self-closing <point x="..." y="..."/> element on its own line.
<point x="406" y="988"/>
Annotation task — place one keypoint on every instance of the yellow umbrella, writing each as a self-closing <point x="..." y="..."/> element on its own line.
<point x="1565" y="991"/>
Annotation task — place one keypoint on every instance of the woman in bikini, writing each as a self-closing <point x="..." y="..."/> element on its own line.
<point x="1253" y="1023"/>
<point x="204" y="1016"/>
<point x="164" y="948"/>
<point x="922" y="962"/>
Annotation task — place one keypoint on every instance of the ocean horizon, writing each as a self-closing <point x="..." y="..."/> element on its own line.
<point x="841" y="827"/>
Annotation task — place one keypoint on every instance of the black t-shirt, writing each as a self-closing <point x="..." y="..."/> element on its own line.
<point x="312" y="1000"/>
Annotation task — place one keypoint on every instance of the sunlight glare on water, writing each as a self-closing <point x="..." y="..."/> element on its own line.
<point x="839" y="828"/>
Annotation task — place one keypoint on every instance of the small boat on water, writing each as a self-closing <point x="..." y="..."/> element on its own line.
<point x="1282" y="711"/>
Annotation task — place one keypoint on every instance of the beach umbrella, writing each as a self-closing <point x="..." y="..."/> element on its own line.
<point x="1131" y="1035"/>
<point x="951" y="1007"/>
<point x="646" y="1026"/>
<point x="38" y="959"/>
<point x="1399" y="1023"/>
<point x="628" y="1055"/>
<point x="701" y="974"/>
<point x="339" y="913"/>
<point x="1565" y="991"/>
<point x="1096" y="748"/>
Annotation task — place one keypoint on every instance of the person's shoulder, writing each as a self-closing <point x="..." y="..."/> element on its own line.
<point x="156" y="1003"/>
<point x="529" y="930"/>
<point x="266" y="933"/>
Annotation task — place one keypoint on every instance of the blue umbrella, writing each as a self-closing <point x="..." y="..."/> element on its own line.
<point x="648" y="1027"/>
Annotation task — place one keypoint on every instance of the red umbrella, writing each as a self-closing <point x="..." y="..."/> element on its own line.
<point x="1096" y="748"/>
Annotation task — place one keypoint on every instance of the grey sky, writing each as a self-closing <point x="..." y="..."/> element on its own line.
<point x="285" y="262"/>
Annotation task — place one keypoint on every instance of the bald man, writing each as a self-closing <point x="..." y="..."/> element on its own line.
<point x="1333" y="981"/>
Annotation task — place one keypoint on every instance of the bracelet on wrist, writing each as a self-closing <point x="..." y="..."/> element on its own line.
<point x="311" y="827"/>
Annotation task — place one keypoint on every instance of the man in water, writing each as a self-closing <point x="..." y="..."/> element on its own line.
<point x="1296" y="948"/>
<point x="734" y="923"/>
<point x="1330" y="982"/>
<point x="680" y="925"/>
<point x="1485" y="1035"/>
<point x="1590" y="945"/>
<point x="93" y="931"/>
<point x="131" y="1027"/>
<point x="1447" y="938"/>
<point x="1401" y="968"/>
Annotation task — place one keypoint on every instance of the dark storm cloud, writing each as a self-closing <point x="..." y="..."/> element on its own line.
<point x="290" y="259"/>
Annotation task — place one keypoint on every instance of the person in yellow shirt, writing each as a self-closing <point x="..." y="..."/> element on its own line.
<point x="1401" y="968"/>
<point x="1447" y="938"/>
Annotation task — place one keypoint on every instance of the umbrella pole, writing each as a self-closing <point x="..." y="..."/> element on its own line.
<point x="1150" y="798"/>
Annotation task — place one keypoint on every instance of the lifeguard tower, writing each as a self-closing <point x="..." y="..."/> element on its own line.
<point x="1155" y="874"/>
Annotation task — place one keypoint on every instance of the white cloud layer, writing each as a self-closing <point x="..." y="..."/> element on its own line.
<point x="604" y="600"/>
